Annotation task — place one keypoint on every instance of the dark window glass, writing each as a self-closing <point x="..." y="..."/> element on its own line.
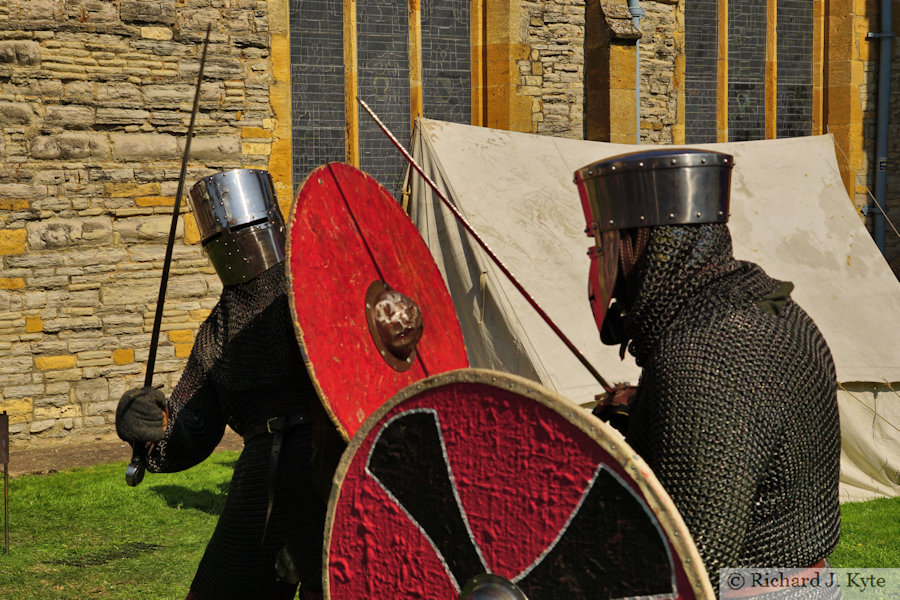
<point x="746" y="70"/>
<point x="317" y="79"/>
<point x="317" y="85"/>
<point x="700" y="49"/>
<point x="795" y="68"/>
<point x="383" y="66"/>
<point x="446" y="65"/>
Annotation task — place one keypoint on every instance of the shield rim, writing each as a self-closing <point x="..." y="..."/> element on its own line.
<point x="610" y="440"/>
<point x="298" y="331"/>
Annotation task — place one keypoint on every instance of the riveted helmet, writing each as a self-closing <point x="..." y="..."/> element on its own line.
<point x="671" y="186"/>
<point x="240" y="224"/>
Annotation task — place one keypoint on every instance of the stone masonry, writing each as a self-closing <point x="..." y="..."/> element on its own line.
<point x="553" y="74"/>
<point x="95" y="101"/>
<point x="658" y="94"/>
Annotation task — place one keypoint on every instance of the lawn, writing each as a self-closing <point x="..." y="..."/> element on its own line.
<point x="870" y="534"/>
<point x="84" y="534"/>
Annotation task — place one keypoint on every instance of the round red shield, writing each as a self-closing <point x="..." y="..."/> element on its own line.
<point x="351" y="253"/>
<point x="476" y="477"/>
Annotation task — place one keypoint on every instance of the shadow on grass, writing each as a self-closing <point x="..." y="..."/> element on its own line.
<point x="209" y="501"/>
<point x="228" y="463"/>
<point x="106" y="555"/>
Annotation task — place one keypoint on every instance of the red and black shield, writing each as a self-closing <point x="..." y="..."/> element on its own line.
<point x="352" y="251"/>
<point x="478" y="477"/>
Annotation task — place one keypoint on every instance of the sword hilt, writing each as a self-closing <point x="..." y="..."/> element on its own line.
<point x="134" y="472"/>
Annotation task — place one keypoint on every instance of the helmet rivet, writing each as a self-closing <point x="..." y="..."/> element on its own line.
<point x="611" y="222"/>
<point x="613" y="168"/>
<point x="703" y="161"/>
<point x="720" y="213"/>
<point x="640" y="164"/>
<point x="699" y="215"/>
<point x="642" y="218"/>
<point x="674" y="161"/>
<point x="671" y="215"/>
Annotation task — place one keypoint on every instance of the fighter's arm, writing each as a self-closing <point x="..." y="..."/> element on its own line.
<point x="195" y="423"/>
<point x="701" y="435"/>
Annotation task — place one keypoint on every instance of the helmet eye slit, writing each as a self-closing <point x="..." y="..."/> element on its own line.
<point x="246" y="225"/>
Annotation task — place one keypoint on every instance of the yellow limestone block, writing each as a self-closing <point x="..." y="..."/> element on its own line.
<point x="48" y="363"/>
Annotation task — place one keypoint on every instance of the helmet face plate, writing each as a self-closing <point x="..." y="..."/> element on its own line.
<point x="672" y="186"/>
<point x="240" y="223"/>
<point x="602" y="273"/>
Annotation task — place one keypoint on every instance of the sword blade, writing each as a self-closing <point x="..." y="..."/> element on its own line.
<point x="465" y="223"/>
<point x="134" y="472"/>
<point x="167" y="262"/>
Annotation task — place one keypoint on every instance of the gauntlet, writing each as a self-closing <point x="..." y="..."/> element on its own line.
<point x="141" y="415"/>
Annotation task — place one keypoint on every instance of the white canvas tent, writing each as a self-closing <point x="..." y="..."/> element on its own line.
<point x="789" y="213"/>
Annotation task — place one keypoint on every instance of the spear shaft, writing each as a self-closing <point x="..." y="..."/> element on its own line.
<point x="462" y="220"/>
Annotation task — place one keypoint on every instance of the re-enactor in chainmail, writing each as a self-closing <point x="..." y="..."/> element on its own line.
<point x="246" y="371"/>
<point x="736" y="407"/>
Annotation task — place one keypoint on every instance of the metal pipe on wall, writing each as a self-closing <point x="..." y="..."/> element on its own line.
<point x="879" y="207"/>
<point x="634" y="7"/>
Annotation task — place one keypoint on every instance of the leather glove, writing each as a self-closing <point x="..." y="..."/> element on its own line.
<point x="141" y="415"/>
<point x="614" y="406"/>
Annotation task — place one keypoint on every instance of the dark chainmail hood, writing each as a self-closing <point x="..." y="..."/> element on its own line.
<point x="680" y="261"/>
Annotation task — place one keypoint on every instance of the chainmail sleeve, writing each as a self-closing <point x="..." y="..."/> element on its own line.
<point x="697" y="424"/>
<point x="196" y="423"/>
<point x="245" y="367"/>
<point x="736" y="409"/>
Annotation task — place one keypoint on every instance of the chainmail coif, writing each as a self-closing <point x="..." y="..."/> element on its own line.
<point x="736" y="410"/>
<point x="246" y="367"/>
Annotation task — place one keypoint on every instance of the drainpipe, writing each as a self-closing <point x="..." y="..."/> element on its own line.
<point x="879" y="207"/>
<point x="634" y="7"/>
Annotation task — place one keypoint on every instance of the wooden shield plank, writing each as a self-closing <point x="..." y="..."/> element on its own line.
<point x="477" y="472"/>
<point x="346" y="233"/>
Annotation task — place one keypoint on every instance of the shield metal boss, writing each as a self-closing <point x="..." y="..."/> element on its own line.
<point x="480" y="479"/>
<point x="363" y="288"/>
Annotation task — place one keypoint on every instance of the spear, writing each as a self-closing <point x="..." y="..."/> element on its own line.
<point x="459" y="217"/>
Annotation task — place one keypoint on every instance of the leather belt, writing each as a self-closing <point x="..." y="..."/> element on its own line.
<point x="275" y="426"/>
<point x="760" y="592"/>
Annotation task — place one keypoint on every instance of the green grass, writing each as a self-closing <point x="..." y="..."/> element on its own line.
<point x="84" y="534"/>
<point x="870" y="534"/>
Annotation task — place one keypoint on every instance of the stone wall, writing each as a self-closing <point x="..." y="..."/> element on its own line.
<point x="658" y="93"/>
<point x="553" y="73"/>
<point x="95" y="100"/>
<point x="867" y="53"/>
